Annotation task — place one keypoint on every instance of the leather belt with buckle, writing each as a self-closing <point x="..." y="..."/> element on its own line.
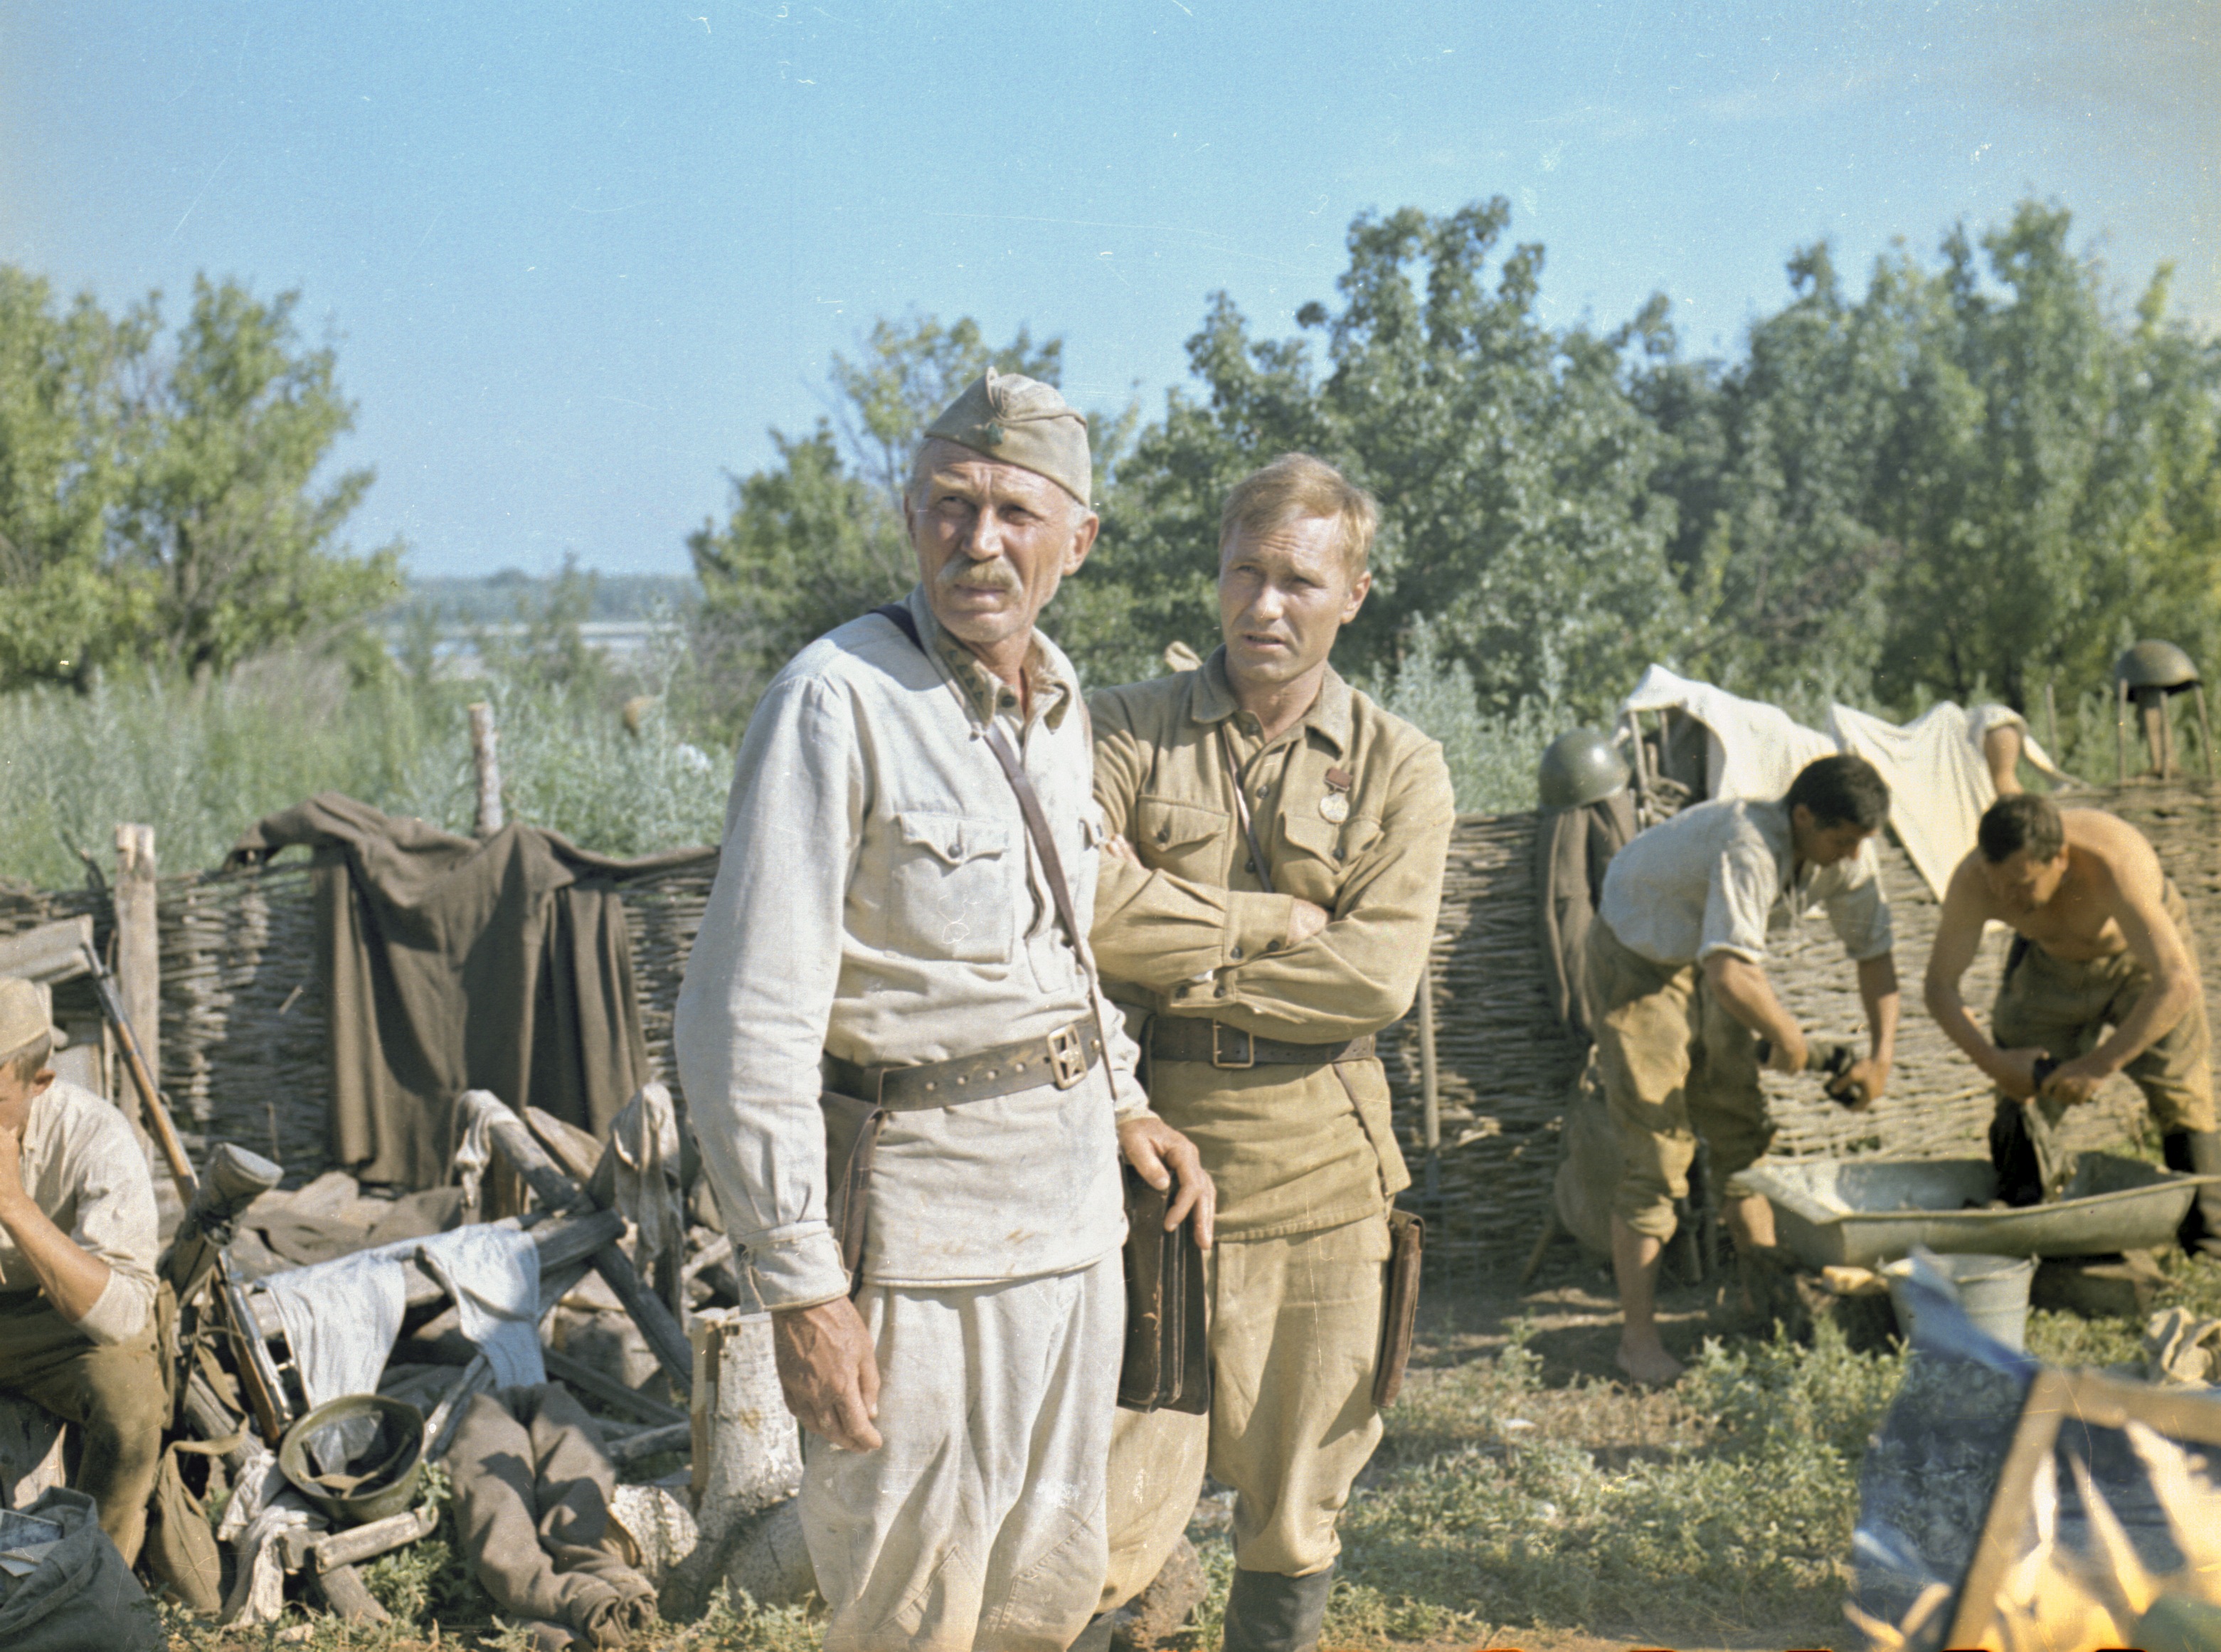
<point x="1063" y="1058"/>
<point x="1213" y="1043"/>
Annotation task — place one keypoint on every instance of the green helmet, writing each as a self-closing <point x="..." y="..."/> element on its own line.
<point x="2155" y="665"/>
<point x="1580" y="767"/>
<point x="359" y="1458"/>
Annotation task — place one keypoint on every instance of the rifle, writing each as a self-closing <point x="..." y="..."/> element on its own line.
<point x="258" y="1373"/>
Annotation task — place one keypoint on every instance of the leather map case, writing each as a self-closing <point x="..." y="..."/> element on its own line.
<point x="1399" y="1304"/>
<point x="1167" y="1359"/>
<point x="851" y="1140"/>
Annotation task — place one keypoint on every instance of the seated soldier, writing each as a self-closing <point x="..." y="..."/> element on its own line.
<point x="77" y="1268"/>
<point x="2102" y="977"/>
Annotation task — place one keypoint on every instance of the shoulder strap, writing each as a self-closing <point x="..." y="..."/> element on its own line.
<point x="1030" y="806"/>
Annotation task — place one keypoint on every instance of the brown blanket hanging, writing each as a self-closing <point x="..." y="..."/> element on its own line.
<point x="452" y="964"/>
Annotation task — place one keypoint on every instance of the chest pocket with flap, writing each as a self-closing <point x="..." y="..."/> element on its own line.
<point x="1185" y="839"/>
<point x="951" y="887"/>
<point x="1317" y="855"/>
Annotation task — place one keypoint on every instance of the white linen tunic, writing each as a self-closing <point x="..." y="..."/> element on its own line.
<point x="84" y="1169"/>
<point x="1723" y="877"/>
<point x="879" y="898"/>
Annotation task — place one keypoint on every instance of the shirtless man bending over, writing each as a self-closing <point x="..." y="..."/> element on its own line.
<point x="2103" y="942"/>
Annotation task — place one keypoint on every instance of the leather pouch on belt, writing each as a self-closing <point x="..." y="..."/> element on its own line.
<point x="852" y="1139"/>
<point x="1399" y="1304"/>
<point x="1167" y="1360"/>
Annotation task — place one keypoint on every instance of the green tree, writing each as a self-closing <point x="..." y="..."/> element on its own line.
<point x="163" y="507"/>
<point x="2054" y="478"/>
<point x="61" y="464"/>
<point x="222" y="508"/>
<point x="1511" y="463"/>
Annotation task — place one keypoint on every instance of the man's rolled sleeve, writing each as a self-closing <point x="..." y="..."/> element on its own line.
<point x="1740" y="894"/>
<point x="751" y="1020"/>
<point x="1859" y="913"/>
<point x="120" y="1312"/>
<point x="116" y="1223"/>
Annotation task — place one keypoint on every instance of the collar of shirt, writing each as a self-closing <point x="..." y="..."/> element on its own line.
<point x="1050" y="695"/>
<point x="1329" y="717"/>
<point x="1797" y="882"/>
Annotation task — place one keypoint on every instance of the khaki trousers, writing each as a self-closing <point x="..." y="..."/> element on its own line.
<point x="113" y="1391"/>
<point x="2051" y="1003"/>
<point x="979" y="1521"/>
<point x="1675" y="1065"/>
<point x="1295" y="1333"/>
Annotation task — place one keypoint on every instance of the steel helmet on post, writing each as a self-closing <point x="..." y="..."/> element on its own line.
<point x="1580" y="767"/>
<point x="2155" y="665"/>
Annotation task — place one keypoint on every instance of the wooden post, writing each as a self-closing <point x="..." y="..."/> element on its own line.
<point x="1431" y="1110"/>
<point x="485" y="759"/>
<point x="138" y="950"/>
<point x="2121" y="733"/>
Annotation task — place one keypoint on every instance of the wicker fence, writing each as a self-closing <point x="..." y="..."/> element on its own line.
<point x="244" y="1049"/>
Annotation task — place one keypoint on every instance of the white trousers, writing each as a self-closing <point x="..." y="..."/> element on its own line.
<point x="980" y="1522"/>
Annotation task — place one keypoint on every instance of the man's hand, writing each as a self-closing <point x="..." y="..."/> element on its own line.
<point x="1118" y="848"/>
<point x="1305" y="919"/>
<point x="1160" y="1153"/>
<point x="2076" y="1081"/>
<point x="1861" y="1086"/>
<point x="828" y="1372"/>
<point x="2015" y="1072"/>
<point x="1790" y="1050"/>
<point x="12" y="1167"/>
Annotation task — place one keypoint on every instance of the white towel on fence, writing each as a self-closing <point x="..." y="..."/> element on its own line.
<point x="493" y="1274"/>
<point x="1754" y="750"/>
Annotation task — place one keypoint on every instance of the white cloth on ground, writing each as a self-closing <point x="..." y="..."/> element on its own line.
<point x="980" y="1522"/>
<point x="342" y="1317"/>
<point x="1754" y="750"/>
<point x="493" y="1274"/>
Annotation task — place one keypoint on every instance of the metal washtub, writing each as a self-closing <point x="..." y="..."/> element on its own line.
<point x="1860" y="1211"/>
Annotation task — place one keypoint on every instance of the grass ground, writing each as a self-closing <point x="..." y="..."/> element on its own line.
<point x="1523" y="1497"/>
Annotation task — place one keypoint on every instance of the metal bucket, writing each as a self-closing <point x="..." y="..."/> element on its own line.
<point x="1992" y="1290"/>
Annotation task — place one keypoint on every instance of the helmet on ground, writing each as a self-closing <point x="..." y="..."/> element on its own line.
<point x="360" y="1457"/>
<point x="2155" y="665"/>
<point x="1580" y="768"/>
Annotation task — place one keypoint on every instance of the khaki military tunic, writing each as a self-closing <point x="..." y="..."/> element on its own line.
<point x="1352" y="808"/>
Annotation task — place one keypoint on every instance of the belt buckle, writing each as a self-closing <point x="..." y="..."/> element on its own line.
<point x="1067" y="1058"/>
<point x="1218" y="1053"/>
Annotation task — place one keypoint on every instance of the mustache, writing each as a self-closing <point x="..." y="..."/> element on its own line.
<point x="999" y="575"/>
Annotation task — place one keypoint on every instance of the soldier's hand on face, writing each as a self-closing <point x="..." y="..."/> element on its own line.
<point x="1305" y="919"/>
<point x="1161" y="1156"/>
<point x="829" y="1372"/>
<point x="1790" y="1053"/>
<point x="2018" y="1081"/>
<point x="1118" y="848"/>
<point x="2076" y="1081"/>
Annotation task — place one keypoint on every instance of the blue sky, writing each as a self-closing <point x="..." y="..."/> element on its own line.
<point x="577" y="259"/>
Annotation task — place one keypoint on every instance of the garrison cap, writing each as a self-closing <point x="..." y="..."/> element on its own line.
<point x="1022" y="422"/>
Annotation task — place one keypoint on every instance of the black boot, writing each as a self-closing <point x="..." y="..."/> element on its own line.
<point x="2197" y="1153"/>
<point x="1267" y="1612"/>
<point x="1096" y="1638"/>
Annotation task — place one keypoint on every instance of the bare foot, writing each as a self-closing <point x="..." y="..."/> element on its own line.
<point x="1651" y="1366"/>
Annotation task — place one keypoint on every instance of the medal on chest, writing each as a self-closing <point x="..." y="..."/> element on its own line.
<point x="1334" y="807"/>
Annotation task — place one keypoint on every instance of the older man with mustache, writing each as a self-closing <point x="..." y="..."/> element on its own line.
<point x="910" y="1094"/>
